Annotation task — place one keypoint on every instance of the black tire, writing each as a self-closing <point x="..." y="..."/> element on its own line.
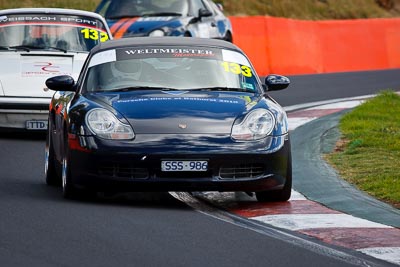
<point x="278" y="195"/>
<point x="68" y="189"/>
<point x="50" y="171"/>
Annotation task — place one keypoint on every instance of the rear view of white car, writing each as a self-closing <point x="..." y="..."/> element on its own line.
<point x="36" y="44"/>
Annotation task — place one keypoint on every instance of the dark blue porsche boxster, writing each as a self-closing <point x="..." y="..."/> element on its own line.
<point x="193" y="18"/>
<point x="168" y="114"/>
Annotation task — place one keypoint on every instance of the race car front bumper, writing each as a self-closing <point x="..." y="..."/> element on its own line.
<point x="23" y="113"/>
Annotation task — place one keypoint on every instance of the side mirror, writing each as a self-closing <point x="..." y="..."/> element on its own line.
<point x="61" y="83"/>
<point x="276" y="82"/>
<point x="204" y="13"/>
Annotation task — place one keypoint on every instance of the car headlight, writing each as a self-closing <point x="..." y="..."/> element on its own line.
<point x="105" y="125"/>
<point x="157" y="33"/>
<point x="258" y="124"/>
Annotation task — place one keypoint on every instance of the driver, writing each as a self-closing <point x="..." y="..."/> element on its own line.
<point x="127" y="70"/>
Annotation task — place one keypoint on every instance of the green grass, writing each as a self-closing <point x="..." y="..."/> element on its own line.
<point x="368" y="155"/>
<point x="304" y="9"/>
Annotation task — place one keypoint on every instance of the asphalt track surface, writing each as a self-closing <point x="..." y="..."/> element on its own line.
<point x="314" y="88"/>
<point x="39" y="228"/>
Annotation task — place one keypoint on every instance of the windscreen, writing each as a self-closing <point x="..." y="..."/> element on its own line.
<point x="179" y="68"/>
<point x="47" y="32"/>
<point x="141" y="8"/>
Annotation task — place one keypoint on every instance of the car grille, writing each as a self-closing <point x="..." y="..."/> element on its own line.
<point x="241" y="171"/>
<point x="123" y="171"/>
<point x="25" y="106"/>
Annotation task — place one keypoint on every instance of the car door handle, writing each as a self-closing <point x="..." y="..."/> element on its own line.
<point x="213" y="24"/>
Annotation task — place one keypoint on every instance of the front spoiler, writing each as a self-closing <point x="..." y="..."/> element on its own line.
<point x="98" y="183"/>
<point x="85" y="172"/>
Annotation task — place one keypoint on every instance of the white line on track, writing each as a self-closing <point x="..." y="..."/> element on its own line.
<point x="343" y="105"/>
<point x="321" y="103"/>
<point x="310" y="221"/>
<point x="296" y="196"/>
<point x="296" y="122"/>
<point x="390" y="254"/>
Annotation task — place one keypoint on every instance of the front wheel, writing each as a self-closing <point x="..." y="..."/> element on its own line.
<point x="68" y="188"/>
<point x="51" y="175"/>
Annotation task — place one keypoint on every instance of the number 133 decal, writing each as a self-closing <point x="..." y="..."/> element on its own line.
<point x="94" y="35"/>
<point x="237" y="69"/>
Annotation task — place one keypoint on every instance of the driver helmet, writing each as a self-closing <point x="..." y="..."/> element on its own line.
<point x="127" y="69"/>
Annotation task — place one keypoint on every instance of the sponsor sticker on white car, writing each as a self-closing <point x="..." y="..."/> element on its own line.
<point x="45" y="66"/>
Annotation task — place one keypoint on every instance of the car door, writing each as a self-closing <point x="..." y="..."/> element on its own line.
<point x="59" y="117"/>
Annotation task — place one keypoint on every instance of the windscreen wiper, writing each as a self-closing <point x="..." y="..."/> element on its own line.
<point x="133" y="88"/>
<point x="124" y="16"/>
<point x="161" y="14"/>
<point x="219" y="88"/>
<point x="26" y="48"/>
<point x="56" y="48"/>
<point x="30" y="47"/>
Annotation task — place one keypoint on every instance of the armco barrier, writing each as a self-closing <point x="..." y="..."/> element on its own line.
<point x="288" y="46"/>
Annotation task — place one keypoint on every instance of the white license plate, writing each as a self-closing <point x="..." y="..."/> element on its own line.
<point x="184" y="165"/>
<point x="36" y="125"/>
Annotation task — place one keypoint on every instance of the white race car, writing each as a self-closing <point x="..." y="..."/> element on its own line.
<point x="35" y="44"/>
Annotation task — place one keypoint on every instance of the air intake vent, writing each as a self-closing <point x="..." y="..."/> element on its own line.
<point x="241" y="171"/>
<point x="123" y="171"/>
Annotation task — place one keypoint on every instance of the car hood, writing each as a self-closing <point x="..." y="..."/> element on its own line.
<point x="24" y="74"/>
<point x="141" y="25"/>
<point x="187" y="113"/>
